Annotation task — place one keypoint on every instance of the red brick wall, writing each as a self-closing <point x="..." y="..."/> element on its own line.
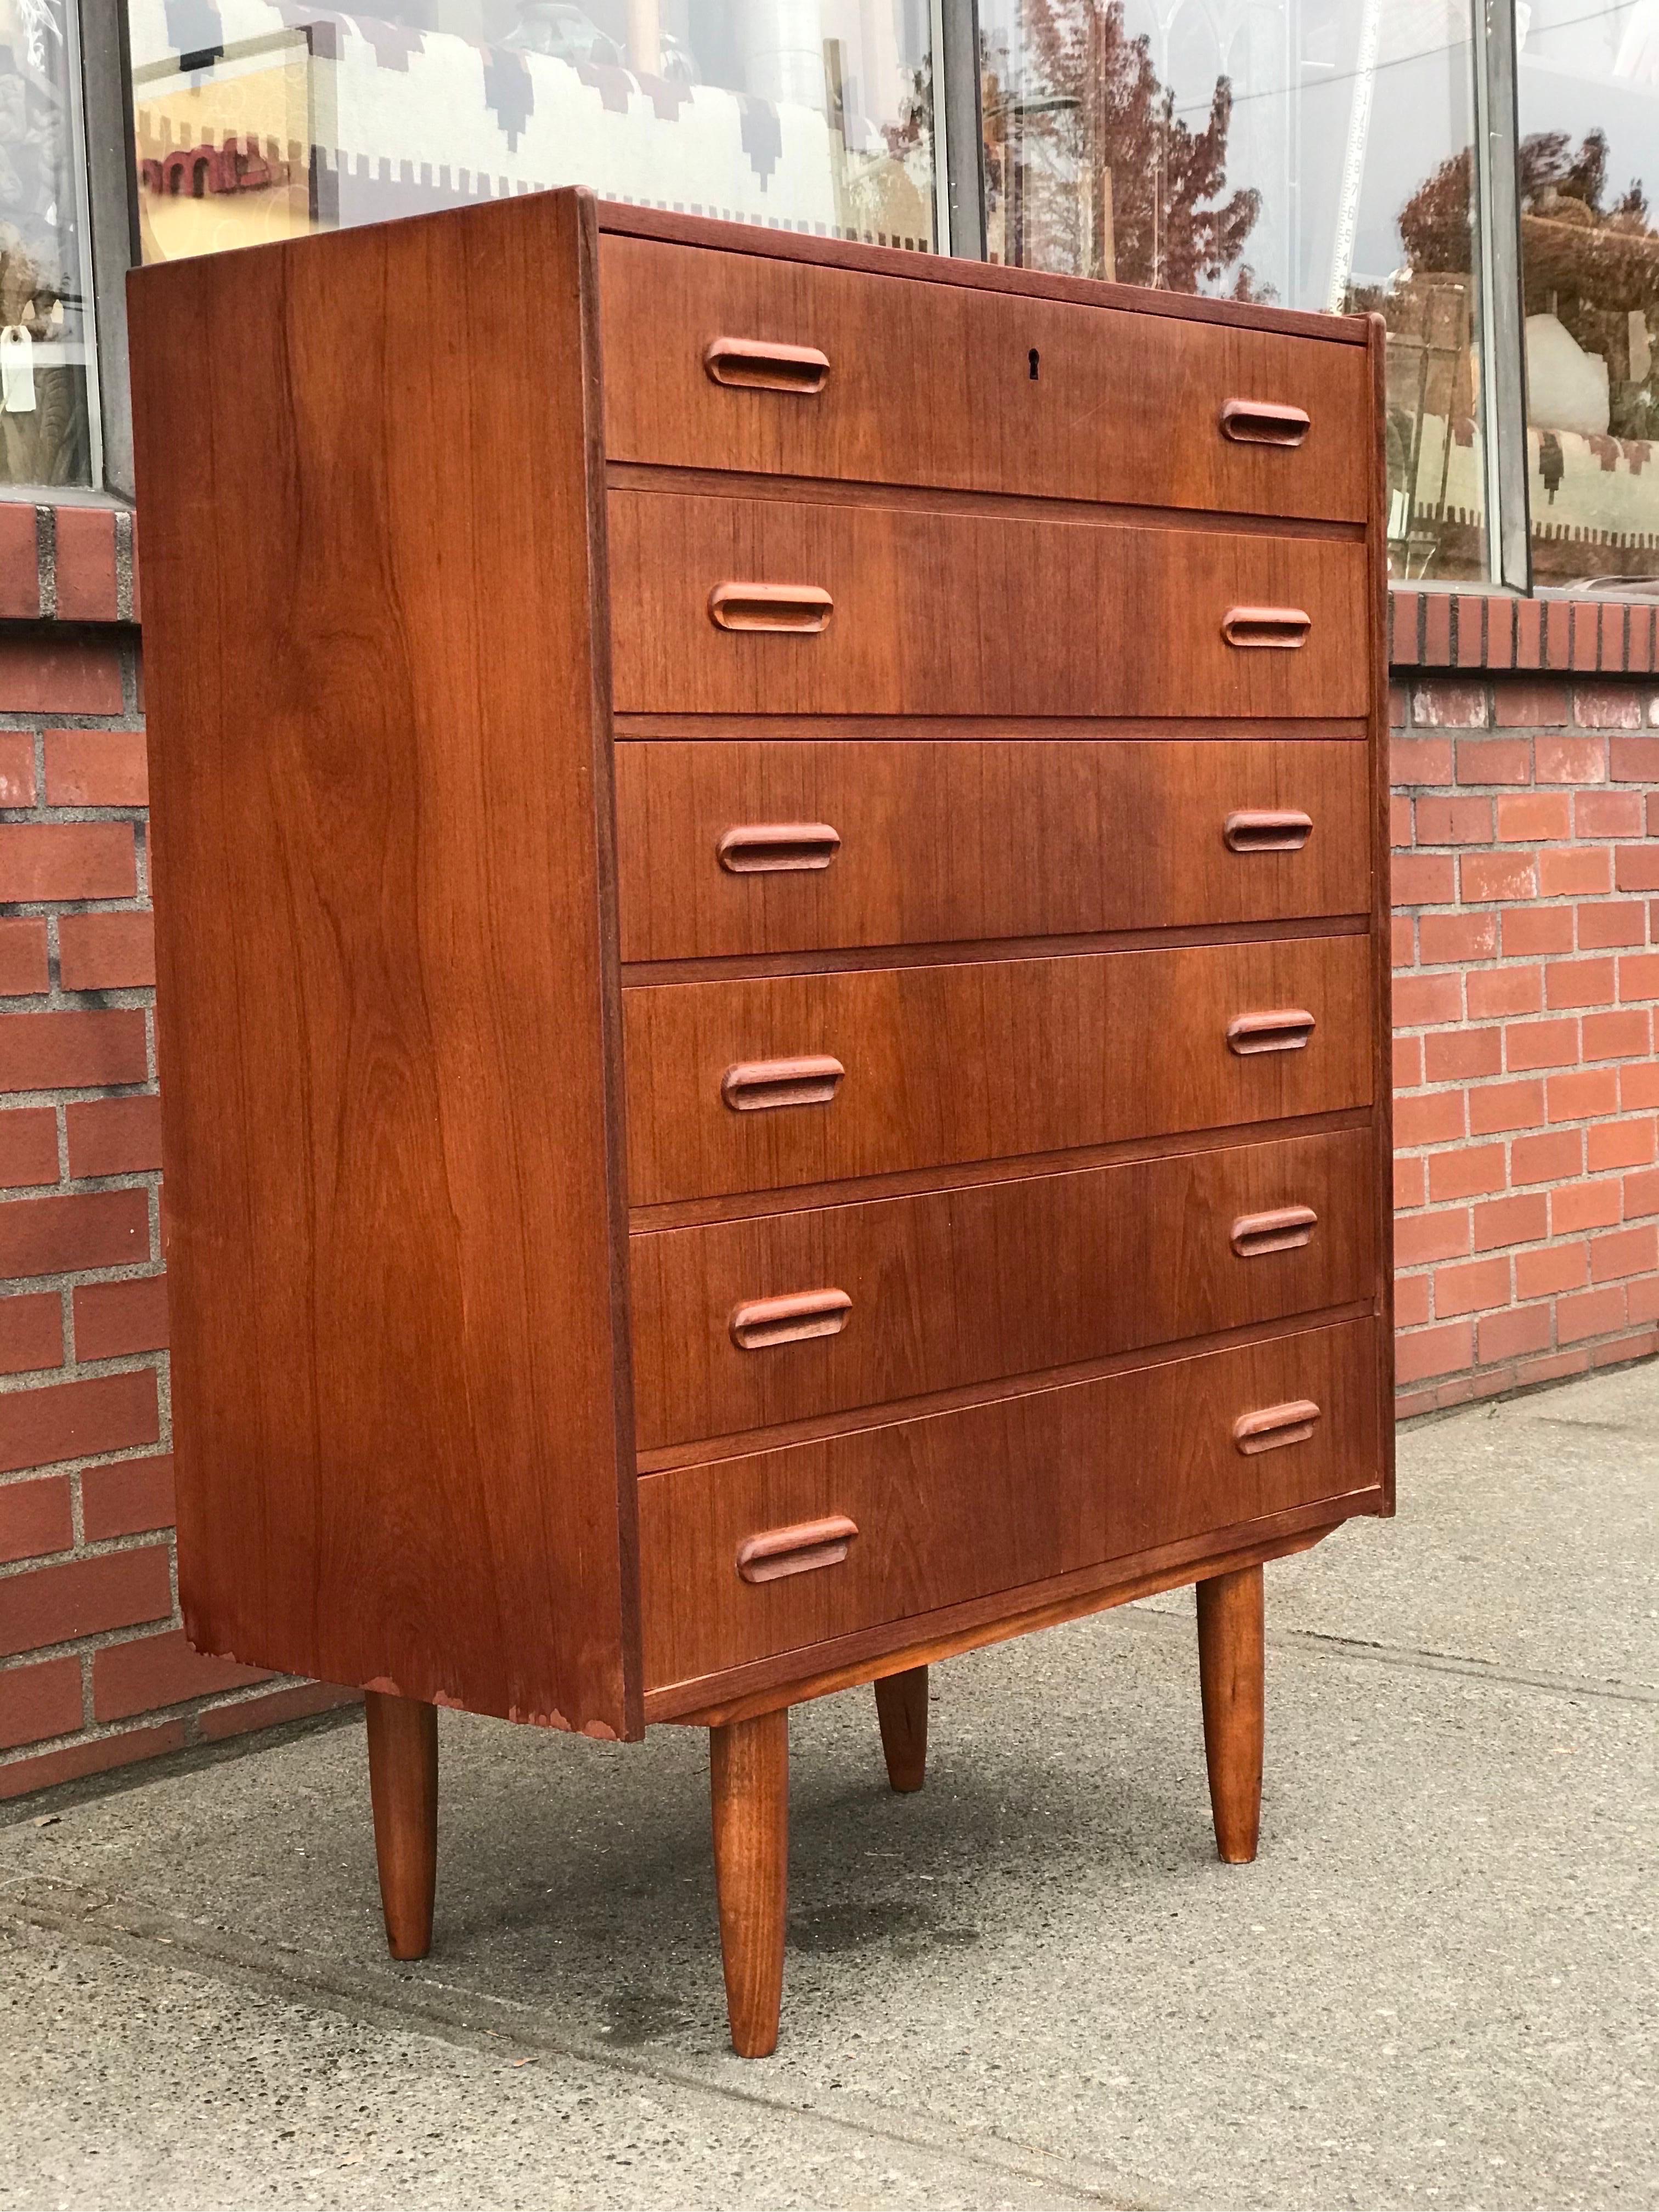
<point x="1526" y="828"/>
<point x="94" y="1668"/>
<point x="1527" y="933"/>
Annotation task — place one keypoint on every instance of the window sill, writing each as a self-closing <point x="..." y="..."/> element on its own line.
<point x="1566" y="632"/>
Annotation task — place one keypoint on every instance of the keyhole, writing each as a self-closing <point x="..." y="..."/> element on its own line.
<point x="1032" y="358"/>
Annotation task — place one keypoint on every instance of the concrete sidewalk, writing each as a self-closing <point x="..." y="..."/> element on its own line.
<point x="1032" y="1986"/>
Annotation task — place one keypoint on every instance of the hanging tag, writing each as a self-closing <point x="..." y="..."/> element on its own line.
<point x="16" y="371"/>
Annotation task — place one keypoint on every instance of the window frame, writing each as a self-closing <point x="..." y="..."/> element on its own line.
<point x="1495" y="166"/>
<point x="100" y="141"/>
<point x="111" y="200"/>
<point x="107" y="143"/>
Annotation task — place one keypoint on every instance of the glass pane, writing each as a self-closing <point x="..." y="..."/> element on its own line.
<point x="1311" y="153"/>
<point x="1588" y="98"/>
<point x="254" y="120"/>
<point x="46" y="355"/>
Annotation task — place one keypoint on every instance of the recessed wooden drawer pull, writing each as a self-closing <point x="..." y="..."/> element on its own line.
<point x="1285" y="1029"/>
<point x="797" y="609"/>
<point x="755" y="1084"/>
<point x="1263" y="422"/>
<point x="796" y="1551"/>
<point x="1284" y="1230"/>
<point x="1268" y="829"/>
<point x="790" y="1320"/>
<point x="1275" y="1425"/>
<point x="765" y="848"/>
<point x="1283" y="628"/>
<point x="761" y="365"/>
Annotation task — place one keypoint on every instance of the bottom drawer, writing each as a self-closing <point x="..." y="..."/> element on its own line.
<point x="743" y="1558"/>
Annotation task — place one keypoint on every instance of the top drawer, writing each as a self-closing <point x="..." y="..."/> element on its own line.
<point x="947" y="386"/>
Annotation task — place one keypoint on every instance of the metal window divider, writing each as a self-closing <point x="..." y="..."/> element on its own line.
<point x="1497" y="220"/>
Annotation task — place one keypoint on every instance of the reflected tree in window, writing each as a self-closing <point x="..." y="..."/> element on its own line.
<point x="1594" y="270"/>
<point x="1090" y="170"/>
<point x="1590" y="278"/>
<point x="1430" y="311"/>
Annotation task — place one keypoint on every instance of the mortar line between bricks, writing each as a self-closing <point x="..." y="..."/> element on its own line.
<point x="1414" y="1659"/>
<point x="453" y="2014"/>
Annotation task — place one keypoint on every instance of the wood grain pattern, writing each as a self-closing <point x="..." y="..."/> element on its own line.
<point x="971" y="1283"/>
<point x="701" y="232"/>
<point x="940" y="613"/>
<point x="375" y="659"/>
<point x="901" y="1711"/>
<point x="978" y="839"/>
<point x="932" y="385"/>
<point x="995" y="1496"/>
<point x="1230" y="1657"/>
<point x="947" y="729"/>
<point x="967" y="505"/>
<point x="737" y="1206"/>
<point x="851" y="1661"/>
<point x="749" y="1789"/>
<point x="984" y="1060"/>
<point x="403" y="1784"/>
<point x="664" y="1459"/>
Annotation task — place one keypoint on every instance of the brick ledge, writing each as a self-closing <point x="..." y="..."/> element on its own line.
<point x="69" y="564"/>
<point x="1563" y="631"/>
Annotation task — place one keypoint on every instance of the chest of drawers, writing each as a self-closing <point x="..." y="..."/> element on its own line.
<point x="769" y="877"/>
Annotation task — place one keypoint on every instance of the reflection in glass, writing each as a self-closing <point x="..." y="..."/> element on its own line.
<point x="46" y="334"/>
<point x="1587" y="84"/>
<point x="1311" y="153"/>
<point x="257" y="119"/>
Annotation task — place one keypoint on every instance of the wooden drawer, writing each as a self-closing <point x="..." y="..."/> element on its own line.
<point x="765" y="847"/>
<point x="993" y="1497"/>
<point x="931" y="384"/>
<point x="740" y="1325"/>
<point x="907" y="610"/>
<point x="981" y="1060"/>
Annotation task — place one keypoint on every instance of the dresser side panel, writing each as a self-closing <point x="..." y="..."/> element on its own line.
<point x="379" y="685"/>
<point x="1381" y="905"/>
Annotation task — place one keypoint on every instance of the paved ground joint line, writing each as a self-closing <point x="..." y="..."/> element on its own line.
<point x="442" y="2010"/>
<point x="1409" y="1659"/>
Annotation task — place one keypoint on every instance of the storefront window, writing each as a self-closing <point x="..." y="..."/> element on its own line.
<point x="259" y="118"/>
<point x="1588" y="97"/>
<point x="46" y="358"/>
<point x="1311" y="153"/>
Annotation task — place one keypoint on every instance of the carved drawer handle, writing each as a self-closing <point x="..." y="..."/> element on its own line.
<point x="790" y="1320"/>
<point x="1263" y="422"/>
<point x="1282" y="627"/>
<point x="758" y="365"/>
<point x="1285" y="1029"/>
<point x="1268" y="829"/>
<point x="797" y="1551"/>
<point x="1284" y="1230"/>
<point x="1275" y="1425"/>
<point x="799" y="610"/>
<point x="753" y="1085"/>
<point x="765" y="848"/>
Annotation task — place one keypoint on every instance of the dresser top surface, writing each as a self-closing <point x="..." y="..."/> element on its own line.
<point x="672" y="229"/>
<point x="615" y="219"/>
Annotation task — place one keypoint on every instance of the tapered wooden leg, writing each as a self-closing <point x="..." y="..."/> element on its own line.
<point x="902" y="1709"/>
<point x="1230" y="1671"/>
<point x="749" y="1774"/>
<point x="403" y="1783"/>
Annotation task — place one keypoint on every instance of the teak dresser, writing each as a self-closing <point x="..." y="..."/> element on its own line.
<point x="774" y="978"/>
